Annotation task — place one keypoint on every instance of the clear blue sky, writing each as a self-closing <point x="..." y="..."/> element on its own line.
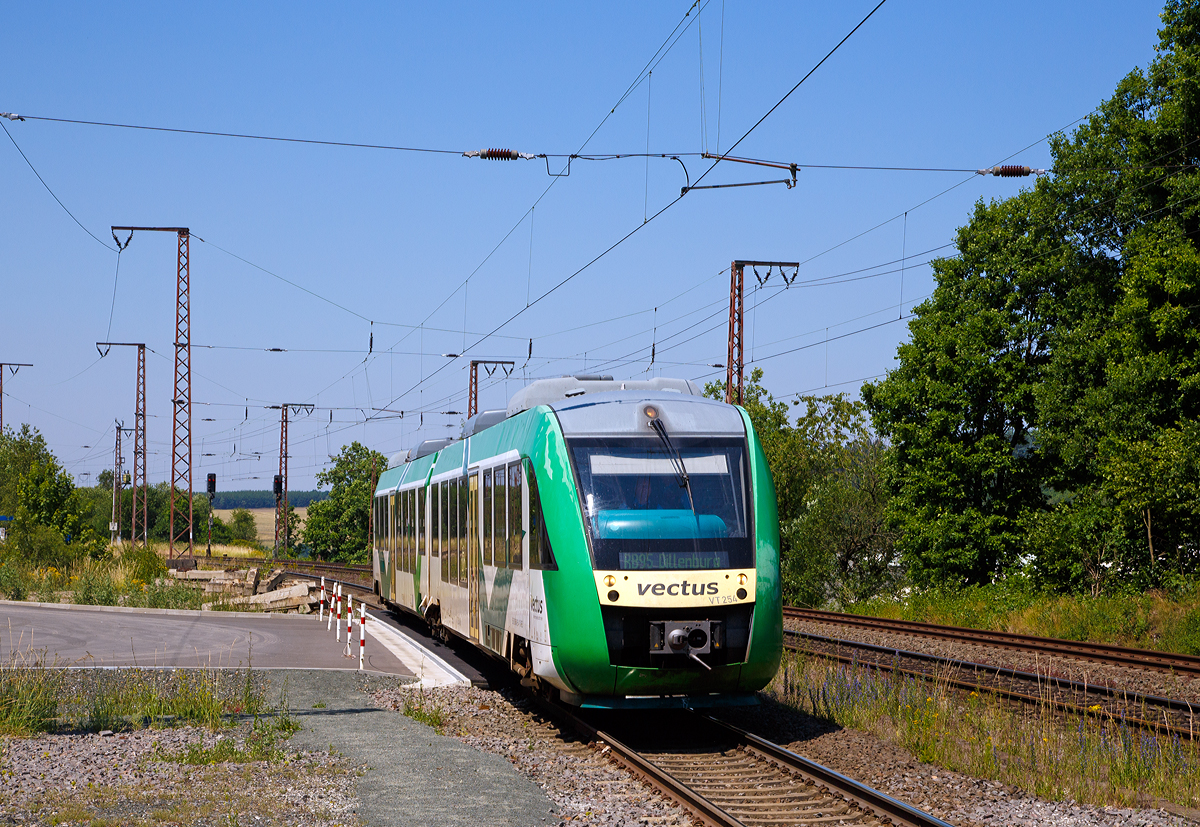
<point x="392" y="236"/>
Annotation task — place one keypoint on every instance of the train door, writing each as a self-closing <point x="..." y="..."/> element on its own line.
<point x="420" y="528"/>
<point x="514" y="538"/>
<point x="537" y="558"/>
<point x="388" y="586"/>
<point x="467" y="550"/>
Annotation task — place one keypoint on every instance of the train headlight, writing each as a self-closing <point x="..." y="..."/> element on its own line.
<point x="741" y="594"/>
<point x="741" y="580"/>
<point x="613" y="596"/>
<point x="651" y="412"/>
<point x="609" y="580"/>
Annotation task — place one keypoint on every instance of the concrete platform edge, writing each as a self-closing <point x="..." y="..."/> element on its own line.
<point x="140" y="610"/>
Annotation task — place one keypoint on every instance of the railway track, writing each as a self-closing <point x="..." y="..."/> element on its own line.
<point x="1079" y="650"/>
<point x="1143" y="711"/>
<point x="727" y="777"/>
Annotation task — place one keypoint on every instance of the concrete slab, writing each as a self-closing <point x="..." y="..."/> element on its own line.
<point x="414" y="777"/>
<point x="99" y="636"/>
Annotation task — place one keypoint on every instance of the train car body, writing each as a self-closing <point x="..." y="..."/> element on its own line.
<point x="614" y="542"/>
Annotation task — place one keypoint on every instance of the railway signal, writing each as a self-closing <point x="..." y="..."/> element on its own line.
<point x="212" y="492"/>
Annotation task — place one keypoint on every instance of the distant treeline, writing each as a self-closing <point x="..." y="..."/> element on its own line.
<point x="265" y="499"/>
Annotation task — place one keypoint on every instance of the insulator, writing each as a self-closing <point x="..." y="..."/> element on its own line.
<point x="1012" y="171"/>
<point x="500" y="155"/>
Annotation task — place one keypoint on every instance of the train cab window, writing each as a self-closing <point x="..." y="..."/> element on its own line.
<point x="488" y="559"/>
<point x="461" y="486"/>
<point x="654" y="504"/>
<point x="419" y="522"/>
<point x="516" y="531"/>
<point x="500" y="518"/>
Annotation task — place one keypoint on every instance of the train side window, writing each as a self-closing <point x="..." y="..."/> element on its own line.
<point x="516" y="531"/>
<point x="540" y="555"/>
<point x="419" y="522"/>
<point x="406" y="528"/>
<point x="472" y="522"/>
<point x="499" y="518"/>
<point x="412" y="525"/>
<point x="487" y="518"/>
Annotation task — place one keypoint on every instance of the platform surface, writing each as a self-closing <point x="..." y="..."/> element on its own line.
<point x="86" y="636"/>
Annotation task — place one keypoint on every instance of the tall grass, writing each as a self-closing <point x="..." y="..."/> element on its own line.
<point x="36" y="696"/>
<point x="1036" y="748"/>
<point x="29" y="694"/>
<point x="136" y="578"/>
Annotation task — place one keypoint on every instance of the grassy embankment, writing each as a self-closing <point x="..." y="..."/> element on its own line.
<point x="1035" y="748"/>
<point x="38" y="696"/>
<point x="1155" y="620"/>
<point x="132" y="577"/>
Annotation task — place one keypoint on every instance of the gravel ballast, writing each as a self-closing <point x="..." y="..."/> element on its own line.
<point x="951" y="796"/>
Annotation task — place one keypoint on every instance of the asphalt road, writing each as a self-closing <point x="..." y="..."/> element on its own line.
<point x="96" y="636"/>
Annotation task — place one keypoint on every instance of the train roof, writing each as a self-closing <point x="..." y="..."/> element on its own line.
<point x="582" y="404"/>
<point x="550" y="391"/>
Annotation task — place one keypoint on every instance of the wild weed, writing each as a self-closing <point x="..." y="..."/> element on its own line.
<point x="1036" y="747"/>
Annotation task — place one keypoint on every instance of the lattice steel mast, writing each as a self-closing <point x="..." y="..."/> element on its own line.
<point x="181" y="402"/>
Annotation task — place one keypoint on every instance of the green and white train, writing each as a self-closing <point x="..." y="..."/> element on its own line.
<point x="615" y="542"/>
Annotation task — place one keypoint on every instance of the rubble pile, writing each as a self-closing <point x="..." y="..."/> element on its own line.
<point x="245" y="590"/>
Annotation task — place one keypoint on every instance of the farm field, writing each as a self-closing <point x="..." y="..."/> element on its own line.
<point x="264" y="520"/>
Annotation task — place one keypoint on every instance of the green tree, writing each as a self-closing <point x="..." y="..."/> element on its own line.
<point x="959" y="410"/>
<point x="241" y="526"/>
<point x="1055" y="367"/>
<point x="51" y="523"/>
<point x="827" y="470"/>
<point x="336" y="528"/>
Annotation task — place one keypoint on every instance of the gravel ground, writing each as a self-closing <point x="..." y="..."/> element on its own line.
<point x="1146" y="681"/>
<point x="959" y="799"/>
<point x="113" y="779"/>
<point x="586" y="787"/>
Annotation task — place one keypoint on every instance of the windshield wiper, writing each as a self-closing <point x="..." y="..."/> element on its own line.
<point x="676" y="458"/>
<point x="677" y="461"/>
<point x="682" y="475"/>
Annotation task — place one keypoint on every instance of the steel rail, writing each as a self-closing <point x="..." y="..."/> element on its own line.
<point x="867" y="797"/>
<point x="1162" y="727"/>
<point x="1096" y="652"/>
<point x="883" y="807"/>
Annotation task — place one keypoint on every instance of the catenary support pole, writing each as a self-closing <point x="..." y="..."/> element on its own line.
<point x="13" y="367"/>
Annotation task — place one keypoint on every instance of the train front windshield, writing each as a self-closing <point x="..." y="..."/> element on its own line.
<point x="638" y="510"/>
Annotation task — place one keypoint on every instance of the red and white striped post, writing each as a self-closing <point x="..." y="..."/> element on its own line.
<point x="321" y="616"/>
<point x="337" y="626"/>
<point x="362" y="633"/>
<point x="349" y="623"/>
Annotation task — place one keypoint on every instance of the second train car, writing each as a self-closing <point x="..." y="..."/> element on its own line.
<point x="614" y="542"/>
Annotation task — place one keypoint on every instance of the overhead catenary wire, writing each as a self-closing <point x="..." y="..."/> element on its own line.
<point x="44" y="184"/>
<point x="675" y="201"/>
